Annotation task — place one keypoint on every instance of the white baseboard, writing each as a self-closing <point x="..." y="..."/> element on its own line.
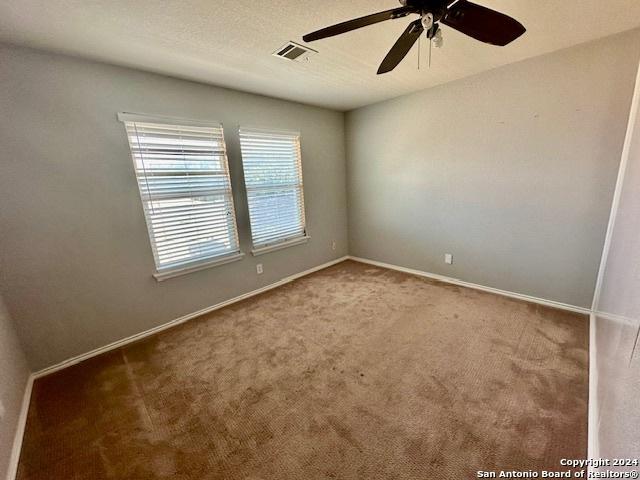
<point x="455" y="281"/>
<point x="475" y="286"/>
<point x="190" y="316"/>
<point x="15" y="456"/>
<point x="620" y="319"/>
<point x="12" y="472"/>
<point x="178" y="321"/>
<point x="592" y="446"/>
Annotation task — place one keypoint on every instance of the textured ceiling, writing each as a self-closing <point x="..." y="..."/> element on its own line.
<point x="229" y="42"/>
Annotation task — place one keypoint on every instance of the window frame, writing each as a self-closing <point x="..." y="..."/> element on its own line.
<point x="181" y="268"/>
<point x="279" y="244"/>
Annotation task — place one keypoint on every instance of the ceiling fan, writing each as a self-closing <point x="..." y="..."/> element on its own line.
<point x="474" y="20"/>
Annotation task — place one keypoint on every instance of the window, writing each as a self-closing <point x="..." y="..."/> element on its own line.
<point x="273" y="179"/>
<point x="183" y="176"/>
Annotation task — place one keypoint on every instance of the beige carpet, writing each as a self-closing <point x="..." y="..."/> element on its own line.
<point x="354" y="372"/>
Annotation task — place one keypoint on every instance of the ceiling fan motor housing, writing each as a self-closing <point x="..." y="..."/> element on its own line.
<point x="436" y="7"/>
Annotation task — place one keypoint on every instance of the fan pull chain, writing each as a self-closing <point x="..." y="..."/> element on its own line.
<point x="430" y="43"/>
<point x="419" y="55"/>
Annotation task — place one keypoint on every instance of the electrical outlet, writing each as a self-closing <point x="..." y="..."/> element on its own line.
<point x="333" y="245"/>
<point x="448" y="258"/>
<point x="259" y="268"/>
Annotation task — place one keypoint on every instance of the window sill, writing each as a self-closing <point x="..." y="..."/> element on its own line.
<point x="279" y="246"/>
<point x="161" y="276"/>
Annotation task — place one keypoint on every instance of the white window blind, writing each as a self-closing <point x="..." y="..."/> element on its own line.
<point x="183" y="177"/>
<point x="273" y="179"/>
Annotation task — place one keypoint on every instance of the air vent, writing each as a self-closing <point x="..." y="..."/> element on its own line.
<point x="294" y="51"/>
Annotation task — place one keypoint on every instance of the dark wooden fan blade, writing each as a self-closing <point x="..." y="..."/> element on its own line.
<point x="358" y="23"/>
<point x="482" y="23"/>
<point x="401" y="47"/>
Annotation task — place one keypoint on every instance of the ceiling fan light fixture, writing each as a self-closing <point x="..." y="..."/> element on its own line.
<point x="427" y="20"/>
<point x="438" y="39"/>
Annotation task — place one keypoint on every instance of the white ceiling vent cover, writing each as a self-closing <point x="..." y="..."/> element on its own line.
<point x="294" y="51"/>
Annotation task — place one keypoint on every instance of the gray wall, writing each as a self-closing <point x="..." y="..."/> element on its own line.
<point x="618" y="321"/>
<point x="512" y="171"/>
<point x="13" y="380"/>
<point x="75" y="260"/>
<point x="515" y="180"/>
